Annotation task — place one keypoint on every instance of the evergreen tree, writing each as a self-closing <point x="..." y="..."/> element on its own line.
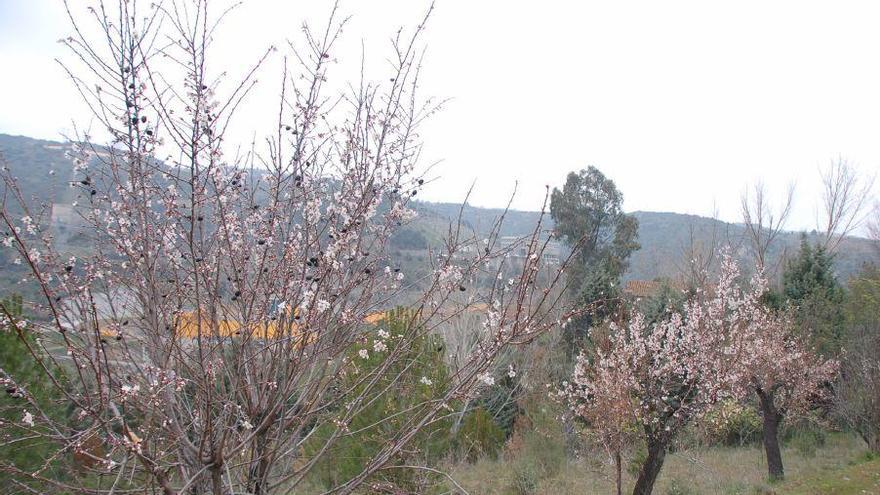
<point x="810" y="287"/>
<point x="20" y="449"/>
<point x="589" y="217"/>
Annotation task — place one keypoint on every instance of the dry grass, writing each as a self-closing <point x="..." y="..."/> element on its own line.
<point x="696" y="471"/>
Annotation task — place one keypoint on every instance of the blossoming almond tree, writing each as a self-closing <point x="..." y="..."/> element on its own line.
<point x="662" y="376"/>
<point x="783" y="372"/>
<point x="203" y="333"/>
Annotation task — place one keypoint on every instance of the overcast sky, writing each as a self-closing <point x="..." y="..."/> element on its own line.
<point x="681" y="103"/>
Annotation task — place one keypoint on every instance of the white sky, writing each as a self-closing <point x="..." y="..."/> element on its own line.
<point x="681" y="103"/>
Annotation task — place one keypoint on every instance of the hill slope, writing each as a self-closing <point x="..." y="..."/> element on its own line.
<point x="664" y="237"/>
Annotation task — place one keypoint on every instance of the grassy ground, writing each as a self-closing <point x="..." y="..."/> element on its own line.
<point x="837" y="467"/>
<point x="862" y="478"/>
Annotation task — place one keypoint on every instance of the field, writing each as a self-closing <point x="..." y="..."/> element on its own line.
<point x="840" y="466"/>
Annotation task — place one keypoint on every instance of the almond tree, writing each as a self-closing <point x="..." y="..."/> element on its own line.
<point x="601" y="398"/>
<point x="662" y="376"/>
<point x="202" y="335"/>
<point x="779" y="367"/>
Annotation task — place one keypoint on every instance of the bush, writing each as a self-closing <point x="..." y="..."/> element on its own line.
<point x="525" y="479"/>
<point x="16" y="449"/>
<point x="421" y="374"/>
<point x="807" y="439"/>
<point x="678" y="487"/>
<point x="732" y="425"/>
<point x="480" y="436"/>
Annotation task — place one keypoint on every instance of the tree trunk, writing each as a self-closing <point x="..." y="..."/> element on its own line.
<point x="618" y="465"/>
<point x="772" y="419"/>
<point x="651" y="468"/>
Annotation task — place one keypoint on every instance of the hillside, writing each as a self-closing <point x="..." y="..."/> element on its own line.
<point x="664" y="237"/>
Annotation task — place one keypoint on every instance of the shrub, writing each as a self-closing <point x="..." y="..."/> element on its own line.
<point x="806" y="439"/>
<point x="408" y="387"/>
<point x="480" y="436"/>
<point x="732" y="425"/>
<point x="19" y="449"/>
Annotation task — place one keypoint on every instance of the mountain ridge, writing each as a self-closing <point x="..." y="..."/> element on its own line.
<point x="664" y="236"/>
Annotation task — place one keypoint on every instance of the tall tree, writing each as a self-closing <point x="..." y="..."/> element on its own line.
<point x="846" y="198"/>
<point x="764" y="223"/>
<point x="810" y="287"/>
<point x="858" y="392"/>
<point x="589" y="218"/>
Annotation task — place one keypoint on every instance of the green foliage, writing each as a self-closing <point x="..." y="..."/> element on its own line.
<point x="500" y="402"/>
<point x="807" y="441"/>
<point x="16" y="362"/>
<point x="402" y="392"/>
<point x="525" y="479"/>
<point x="863" y="298"/>
<point x="811" y="288"/>
<point x="479" y="436"/>
<point x="732" y="425"/>
<point x="658" y="306"/>
<point x="589" y="208"/>
<point x="588" y="213"/>
<point x="858" y="396"/>
<point x="637" y="459"/>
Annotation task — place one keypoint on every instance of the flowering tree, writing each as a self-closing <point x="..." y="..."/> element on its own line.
<point x="601" y="398"/>
<point x="201" y="338"/>
<point x="662" y="376"/>
<point x="780" y="368"/>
